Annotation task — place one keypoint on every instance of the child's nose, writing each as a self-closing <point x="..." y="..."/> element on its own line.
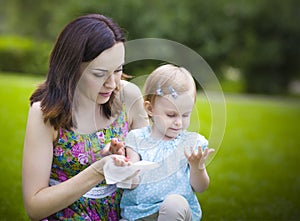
<point x="178" y="121"/>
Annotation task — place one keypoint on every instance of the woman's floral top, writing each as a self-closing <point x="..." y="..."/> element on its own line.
<point x="73" y="152"/>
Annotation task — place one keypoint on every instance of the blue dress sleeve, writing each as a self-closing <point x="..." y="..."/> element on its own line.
<point x="130" y="140"/>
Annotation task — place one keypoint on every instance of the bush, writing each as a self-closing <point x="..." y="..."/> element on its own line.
<point x="19" y="54"/>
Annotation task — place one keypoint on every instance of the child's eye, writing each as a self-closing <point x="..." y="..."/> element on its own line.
<point x="186" y="115"/>
<point x="171" y="115"/>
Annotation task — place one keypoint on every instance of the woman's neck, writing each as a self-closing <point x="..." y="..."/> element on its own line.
<point x="89" y="116"/>
<point x="84" y="117"/>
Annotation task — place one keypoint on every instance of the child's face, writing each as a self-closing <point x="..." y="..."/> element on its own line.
<point x="171" y="115"/>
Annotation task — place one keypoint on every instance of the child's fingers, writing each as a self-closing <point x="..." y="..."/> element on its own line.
<point x="121" y="151"/>
<point x="120" y="144"/>
<point x="117" y="147"/>
<point x="200" y="150"/>
<point x="106" y="150"/>
<point x="120" y="148"/>
<point x="191" y="155"/>
<point x="114" y="141"/>
<point x="188" y="153"/>
<point x="208" y="151"/>
<point x="121" y="161"/>
<point x="211" y="150"/>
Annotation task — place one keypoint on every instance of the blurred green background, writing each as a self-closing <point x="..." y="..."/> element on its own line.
<point x="253" y="48"/>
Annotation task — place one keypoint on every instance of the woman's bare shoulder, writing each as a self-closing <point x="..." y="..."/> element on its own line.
<point x="36" y="109"/>
<point x="134" y="105"/>
<point x="36" y="119"/>
<point x="130" y="89"/>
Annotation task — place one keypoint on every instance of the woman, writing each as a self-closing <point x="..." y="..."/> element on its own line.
<point x="73" y="115"/>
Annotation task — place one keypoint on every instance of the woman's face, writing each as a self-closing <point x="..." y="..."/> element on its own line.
<point x="101" y="76"/>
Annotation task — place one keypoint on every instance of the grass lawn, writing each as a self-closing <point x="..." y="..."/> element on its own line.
<point x="254" y="174"/>
<point x="14" y="94"/>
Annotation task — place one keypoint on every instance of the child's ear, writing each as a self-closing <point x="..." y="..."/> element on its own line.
<point x="148" y="108"/>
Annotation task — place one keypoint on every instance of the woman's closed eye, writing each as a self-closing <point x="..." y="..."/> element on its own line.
<point x="99" y="74"/>
<point x="118" y="70"/>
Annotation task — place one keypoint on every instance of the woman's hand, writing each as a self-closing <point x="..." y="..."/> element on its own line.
<point x="99" y="165"/>
<point x="129" y="182"/>
<point x="115" y="159"/>
<point x="132" y="179"/>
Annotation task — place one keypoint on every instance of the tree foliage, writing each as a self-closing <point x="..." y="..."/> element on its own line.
<point x="259" y="37"/>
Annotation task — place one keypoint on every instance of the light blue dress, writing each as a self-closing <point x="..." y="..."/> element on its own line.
<point x="171" y="177"/>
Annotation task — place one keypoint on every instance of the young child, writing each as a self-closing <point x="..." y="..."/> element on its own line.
<point x="167" y="192"/>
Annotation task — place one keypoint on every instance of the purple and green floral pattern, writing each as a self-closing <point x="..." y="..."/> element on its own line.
<point x="72" y="153"/>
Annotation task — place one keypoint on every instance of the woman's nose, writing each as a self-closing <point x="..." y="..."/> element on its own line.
<point x="110" y="81"/>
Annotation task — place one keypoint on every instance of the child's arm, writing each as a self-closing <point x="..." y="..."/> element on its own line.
<point x="132" y="155"/>
<point x="199" y="178"/>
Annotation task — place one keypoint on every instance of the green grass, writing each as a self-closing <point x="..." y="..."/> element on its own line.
<point x="254" y="174"/>
<point x="14" y="93"/>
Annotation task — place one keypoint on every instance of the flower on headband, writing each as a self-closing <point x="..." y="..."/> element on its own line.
<point x="159" y="92"/>
<point x="173" y="92"/>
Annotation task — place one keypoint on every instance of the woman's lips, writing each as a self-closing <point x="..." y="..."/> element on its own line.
<point x="106" y="94"/>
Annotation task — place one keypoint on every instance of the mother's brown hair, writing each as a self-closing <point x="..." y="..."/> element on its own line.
<point x="82" y="40"/>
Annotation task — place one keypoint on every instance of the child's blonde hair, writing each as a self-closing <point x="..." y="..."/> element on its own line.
<point x="166" y="79"/>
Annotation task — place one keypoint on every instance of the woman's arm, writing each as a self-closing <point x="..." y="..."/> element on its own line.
<point x="136" y="113"/>
<point x="40" y="200"/>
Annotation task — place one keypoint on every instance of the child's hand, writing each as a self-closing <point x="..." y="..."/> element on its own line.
<point x="114" y="147"/>
<point x="117" y="147"/>
<point x="197" y="159"/>
<point x="121" y="160"/>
